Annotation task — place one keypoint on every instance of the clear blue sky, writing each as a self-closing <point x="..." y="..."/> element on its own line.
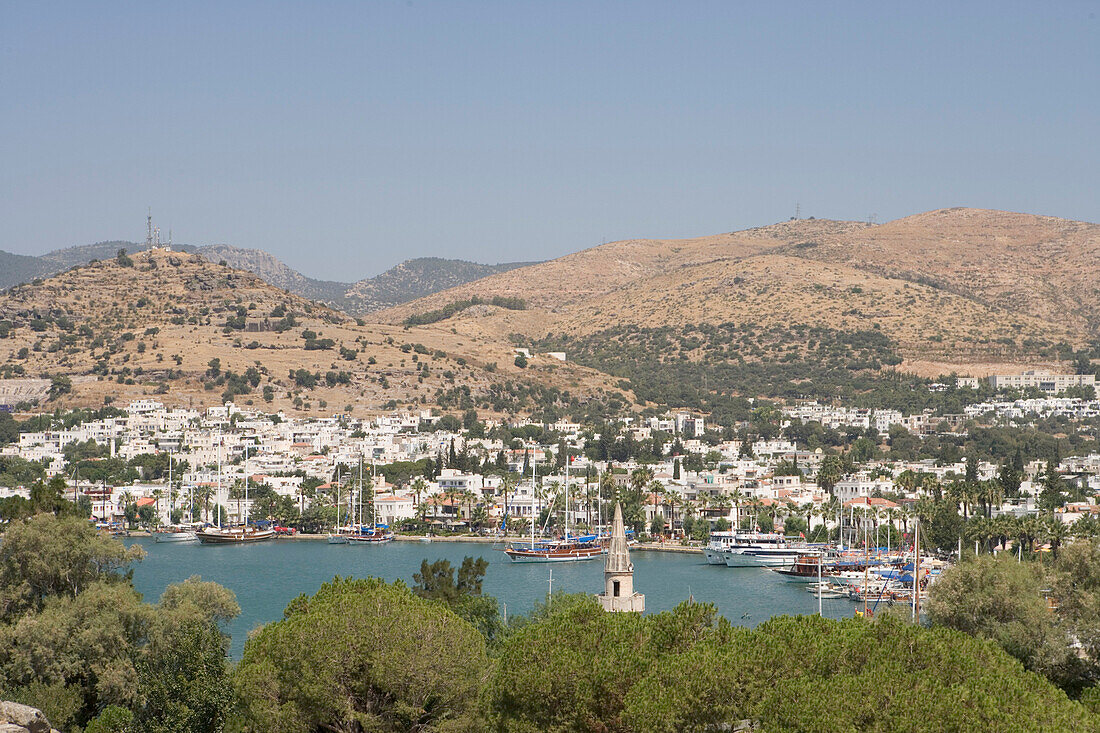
<point x="346" y="137"/>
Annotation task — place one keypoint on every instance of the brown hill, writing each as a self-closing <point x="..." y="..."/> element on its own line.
<point x="959" y="284"/>
<point x="154" y="326"/>
<point x="1021" y="263"/>
<point x="575" y="278"/>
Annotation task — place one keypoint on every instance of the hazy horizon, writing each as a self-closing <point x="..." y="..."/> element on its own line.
<point x="345" y="138"/>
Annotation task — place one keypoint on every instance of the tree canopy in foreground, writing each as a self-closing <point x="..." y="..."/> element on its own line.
<point x="581" y="669"/>
<point x="362" y="655"/>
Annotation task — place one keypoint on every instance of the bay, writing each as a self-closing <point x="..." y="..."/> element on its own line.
<point x="266" y="576"/>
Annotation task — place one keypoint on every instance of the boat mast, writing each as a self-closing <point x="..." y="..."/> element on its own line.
<point x="566" y="491"/>
<point x="246" y="485"/>
<point x="219" y="494"/>
<point x="916" y="564"/>
<point x="169" y="487"/>
<point x="820" y="588"/>
<point x="534" y="516"/>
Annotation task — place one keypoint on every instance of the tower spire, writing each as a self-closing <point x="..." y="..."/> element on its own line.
<point x="618" y="572"/>
<point x="618" y="555"/>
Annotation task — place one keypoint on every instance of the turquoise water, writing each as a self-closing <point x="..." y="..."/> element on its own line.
<point x="266" y="576"/>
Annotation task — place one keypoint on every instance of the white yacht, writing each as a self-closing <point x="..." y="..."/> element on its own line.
<point x="760" y="549"/>
<point x="715" y="550"/>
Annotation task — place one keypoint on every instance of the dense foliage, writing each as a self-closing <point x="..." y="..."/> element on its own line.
<point x="441" y="314"/>
<point x="1047" y="616"/>
<point x="77" y="642"/>
<point x="579" y="669"/>
<point x="362" y="655"/>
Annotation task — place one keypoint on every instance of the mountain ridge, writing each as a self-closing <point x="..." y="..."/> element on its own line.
<point x="410" y="279"/>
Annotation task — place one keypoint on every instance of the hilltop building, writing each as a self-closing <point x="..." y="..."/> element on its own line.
<point x="618" y="572"/>
<point x="1045" y="381"/>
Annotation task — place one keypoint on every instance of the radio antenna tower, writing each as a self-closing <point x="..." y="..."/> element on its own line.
<point x="797" y="211"/>
<point x="149" y="229"/>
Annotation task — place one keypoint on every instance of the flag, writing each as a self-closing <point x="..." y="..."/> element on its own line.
<point x="802" y="535"/>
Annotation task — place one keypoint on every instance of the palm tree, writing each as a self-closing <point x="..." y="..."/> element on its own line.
<point x="419" y="486"/>
<point x="1056" y="534"/>
<point x="1003" y="528"/>
<point x="981" y="530"/>
<point x="509" y="483"/>
<point x="204" y="494"/>
<point x="478" y="517"/>
<point x="1086" y="527"/>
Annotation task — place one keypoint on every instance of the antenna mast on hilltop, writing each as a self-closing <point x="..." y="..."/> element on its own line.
<point x="149" y="229"/>
<point x="797" y="211"/>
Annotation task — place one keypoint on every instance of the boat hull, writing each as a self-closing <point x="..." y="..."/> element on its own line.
<point x="231" y="537"/>
<point x="369" y="540"/>
<point x="536" y="555"/>
<point x="175" y="537"/>
<point x="715" y="557"/>
<point x="749" y="559"/>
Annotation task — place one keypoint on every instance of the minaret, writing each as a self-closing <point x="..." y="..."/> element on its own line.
<point x="618" y="572"/>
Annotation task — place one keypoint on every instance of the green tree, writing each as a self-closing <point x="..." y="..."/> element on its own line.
<point x="999" y="599"/>
<point x="1052" y="495"/>
<point x="829" y="473"/>
<point x="48" y="556"/>
<point x="183" y="680"/>
<point x="361" y="655"/>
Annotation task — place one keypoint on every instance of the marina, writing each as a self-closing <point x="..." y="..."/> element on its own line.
<point x="266" y="576"/>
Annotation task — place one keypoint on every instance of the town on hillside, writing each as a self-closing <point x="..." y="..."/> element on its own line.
<point x="807" y="470"/>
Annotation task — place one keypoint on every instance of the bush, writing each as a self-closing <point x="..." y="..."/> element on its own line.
<point x="361" y="655"/>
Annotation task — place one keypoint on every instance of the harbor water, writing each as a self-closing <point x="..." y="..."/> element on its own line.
<point x="267" y="575"/>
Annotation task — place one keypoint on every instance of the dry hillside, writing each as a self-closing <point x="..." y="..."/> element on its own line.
<point x="120" y="332"/>
<point x="959" y="286"/>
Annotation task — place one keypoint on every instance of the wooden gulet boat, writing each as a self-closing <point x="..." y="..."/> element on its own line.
<point x="238" y="534"/>
<point x="567" y="549"/>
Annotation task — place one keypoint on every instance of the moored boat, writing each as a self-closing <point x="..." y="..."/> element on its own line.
<point x="555" y="551"/>
<point x="233" y="535"/>
<point x="806" y="569"/>
<point x="175" y="533"/>
<point x="370" y="535"/>
<point x="760" y="549"/>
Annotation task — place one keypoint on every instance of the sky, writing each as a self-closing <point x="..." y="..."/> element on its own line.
<point x="345" y="137"/>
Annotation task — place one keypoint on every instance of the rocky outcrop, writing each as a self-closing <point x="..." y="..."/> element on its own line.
<point x="16" y="718"/>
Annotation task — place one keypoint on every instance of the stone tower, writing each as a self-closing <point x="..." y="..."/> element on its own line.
<point x="618" y="572"/>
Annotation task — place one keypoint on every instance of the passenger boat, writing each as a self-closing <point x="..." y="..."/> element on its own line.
<point x="715" y="551"/>
<point x="760" y="549"/>
<point x="233" y="535"/>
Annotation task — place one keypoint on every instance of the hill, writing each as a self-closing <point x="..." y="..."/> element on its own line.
<point x="806" y="308"/>
<point x="417" y="278"/>
<point x="177" y="325"/>
<point x="407" y="281"/>
<point x="15" y="269"/>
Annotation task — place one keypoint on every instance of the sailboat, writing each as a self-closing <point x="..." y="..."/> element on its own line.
<point x="174" y="532"/>
<point x="566" y="549"/>
<point x="337" y="537"/>
<point x="375" y="534"/>
<point x="234" y="534"/>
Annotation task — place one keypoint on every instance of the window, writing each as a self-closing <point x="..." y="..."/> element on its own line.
<point x="615" y="588"/>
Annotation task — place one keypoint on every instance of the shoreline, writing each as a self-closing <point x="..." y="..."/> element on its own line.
<point x="643" y="546"/>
